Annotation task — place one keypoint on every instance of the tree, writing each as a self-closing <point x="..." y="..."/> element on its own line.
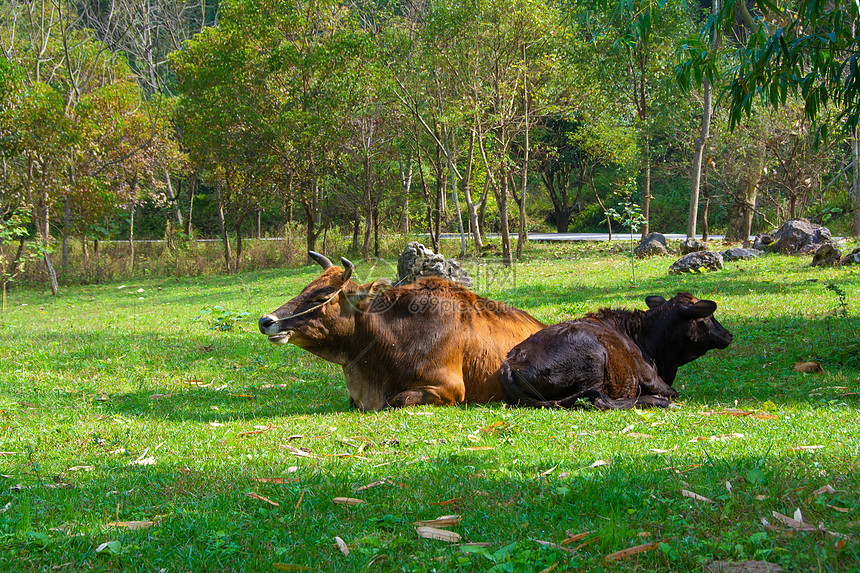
<point x="808" y="50"/>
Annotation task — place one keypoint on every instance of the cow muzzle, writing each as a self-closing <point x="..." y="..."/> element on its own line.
<point x="270" y="326"/>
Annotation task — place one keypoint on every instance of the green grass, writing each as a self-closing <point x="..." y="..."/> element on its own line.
<point x="102" y="377"/>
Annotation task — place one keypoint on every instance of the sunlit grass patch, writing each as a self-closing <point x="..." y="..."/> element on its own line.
<point x="121" y="407"/>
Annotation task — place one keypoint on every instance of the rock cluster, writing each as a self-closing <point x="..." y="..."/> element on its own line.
<point x="795" y="237"/>
<point x="739" y="254"/>
<point x="652" y="244"/>
<point x="419" y="261"/>
<point x="697" y="262"/>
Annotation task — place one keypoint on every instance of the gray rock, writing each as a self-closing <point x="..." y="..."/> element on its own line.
<point x="826" y="256"/>
<point x="692" y="246"/>
<point x="419" y="261"/>
<point x="799" y="236"/>
<point x="652" y="244"/>
<point x="736" y="254"/>
<point x="697" y="262"/>
<point x="852" y="258"/>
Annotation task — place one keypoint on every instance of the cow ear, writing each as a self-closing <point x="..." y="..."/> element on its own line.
<point x="369" y="291"/>
<point x="700" y="309"/>
<point x="654" y="301"/>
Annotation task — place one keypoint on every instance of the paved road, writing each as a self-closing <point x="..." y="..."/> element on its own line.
<point x="584" y="236"/>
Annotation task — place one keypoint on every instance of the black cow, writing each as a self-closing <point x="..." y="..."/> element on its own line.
<point x="613" y="358"/>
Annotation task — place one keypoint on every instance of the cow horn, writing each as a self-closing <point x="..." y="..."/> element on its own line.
<point x="321" y="259"/>
<point x="348" y="267"/>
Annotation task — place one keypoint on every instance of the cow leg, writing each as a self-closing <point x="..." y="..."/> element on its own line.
<point x="446" y="394"/>
<point x="656" y="387"/>
<point x="648" y="401"/>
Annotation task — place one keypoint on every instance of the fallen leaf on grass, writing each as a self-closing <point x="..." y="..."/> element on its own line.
<point x="342" y="546"/>
<point x="793" y="522"/>
<point x="132" y="524"/>
<point x="839" y="509"/>
<point x="348" y="501"/>
<point x="480" y="448"/>
<point x="638" y="435"/>
<point x="9" y="453"/>
<point x="824" y="489"/>
<point x="808" y="367"/>
<point x="447" y="501"/>
<point x="143" y="460"/>
<point x="81" y="469"/>
<point x="5" y="508"/>
<point x="576" y="537"/>
<point x="275" y="480"/>
<point x="262" y="430"/>
<point x="441" y="522"/>
<point x="110" y="547"/>
<point x="697" y="497"/>
<point x="718" y="438"/>
<point x="555" y="546"/>
<point x="728" y="412"/>
<point x="290" y="567"/>
<point x="374" y="484"/>
<point x="742" y="567"/>
<point x="253" y="495"/>
<point x="494" y="427"/>
<point x="659" y="451"/>
<point x="624" y="553"/>
<point x="599" y="463"/>
<point x="806" y="448"/>
<point x="438" y="534"/>
<point x="160" y="396"/>
<point x="103" y="397"/>
<point x="296" y="451"/>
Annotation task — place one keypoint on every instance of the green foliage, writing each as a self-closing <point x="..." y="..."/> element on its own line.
<point x="219" y="318"/>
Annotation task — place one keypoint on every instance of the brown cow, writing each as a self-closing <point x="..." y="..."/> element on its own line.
<point x="429" y="342"/>
<point x="614" y="358"/>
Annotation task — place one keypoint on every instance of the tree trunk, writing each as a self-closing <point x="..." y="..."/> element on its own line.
<point x="376" y="232"/>
<point x="740" y="227"/>
<point x="368" y="205"/>
<point x="471" y="208"/>
<point x="131" y="235"/>
<point x="67" y="216"/>
<point x="701" y="141"/>
<point x="225" y="240"/>
<point x="172" y="196"/>
<point x="43" y="227"/>
<point x="646" y="184"/>
<point x="523" y="237"/>
<point x="502" y="200"/>
<point x="696" y="178"/>
<point x="706" y="195"/>
<point x="192" y="191"/>
<point x="356" y="229"/>
<point x="406" y="187"/>
<point x="855" y="157"/>
<point x="238" y="228"/>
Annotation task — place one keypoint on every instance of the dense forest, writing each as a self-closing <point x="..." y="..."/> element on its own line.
<point x="188" y="118"/>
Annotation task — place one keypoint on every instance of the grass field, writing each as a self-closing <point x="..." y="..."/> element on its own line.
<point x="148" y="426"/>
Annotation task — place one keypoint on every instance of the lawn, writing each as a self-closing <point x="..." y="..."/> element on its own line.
<point x="148" y="426"/>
